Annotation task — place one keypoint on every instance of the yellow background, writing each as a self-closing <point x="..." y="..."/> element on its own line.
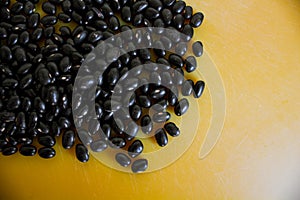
<point x="256" y="46"/>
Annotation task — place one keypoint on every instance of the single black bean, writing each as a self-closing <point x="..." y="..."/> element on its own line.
<point x="168" y="2"/>
<point x="9" y="150"/>
<point x="46" y="152"/>
<point x="135" y="112"/>
<point x="179" y="6"/>
<point x="159" y="49"/>
<point x="49" y="8"/>
<point x="158" y="93"/>
<point x="12" y="39"/>
<point x="178" y="21"/>
<point x="106" y="10"/>
<point x="144" y="54"/>
<point x="172" y="129"/>
<point x="198" y="49"/>
<point x="139" y="6"/>
<point x="155" y="78"/>
<point x="65" y="31"/>
<point x="172" y="99"/>
<point x="89" y="16"/>
<point x="13" y="103"/>
<point x="82" y="153"/>
<point x="161" y="137"/>
<point x="135" y="149"/>
<point x="43" y="128"/>
<point x="188" y="12"/>
<point x="44" y="76"/>
<point x="151" y="13"/>
<point x="144" y="101"/>
<point x="147" y="125"/>
<point x="66" y="6"/>
<point x="114" y="23"/>
<point x="98" y="146"/>
<point x="138" y="20"/>
<point x="118" y="142"/>
<point x="64" y="122"/>
<point x="122" y="159"/>
<point x="49" y="20"/>
<point x="37" y="34"/>
<point x="20" y="121"/>
<point x="24" y="37"/>
<point x="26" y="81"/>
<point x="16" y="8"/>
<point x="197" y="19"/>
<point x="33" y="119"/>
<point x="156" y="4"/>
<point x="64" y="17"/>
<point x="101" y="25"/>
<point x="29" y="8"/>
<point x="5" y="53"/>
<point x="33" y="20"/>
<point x="18" y="19"/>
<point x="198" y="89"/>
<point x="161" y="117"/>
<point x="79" y="5"/>
<point x="190" y="64"/>
<point x="77" y="17"/>
<point x="26" y="104"/>
<point x="187" y="87"/>
<point x="181" y="107"/>
<point x="95" y="36"/>
<point x="28" y="150"/>
<point x="166" y="42"/>
<point x="10" y="83"/>
<point x="68" y="139"/>
<point x="3" y="33"/>
<point x="139" y="166"/>
<point x="49" y="31"/>
<point x="176" y="60"/>
<point x="160" y="106"/>
<point x="126" y="14"/>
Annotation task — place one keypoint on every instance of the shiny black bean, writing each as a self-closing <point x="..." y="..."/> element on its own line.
<point x="3" y="33"/>
<point x="188" y="12"/>
<point x="68" y="139"/>
<point x="168" y="2"/>
<point x="20" y="121"/>
<point x="66" y="6"/>
<point x="95" y="36"/>
<point x="112" y="54"/>
<point x="37" y="34"/>
<point x="49" y="8"/>
<point x="26" y="81"/>
<point x="82" y="153"/>
<point x="33" y="20"/>
<point x="187" y="87"/>
<point x="29" y="8"/>
<point x="118" y="142"/>
<point x="49" y="20"/>
<point x="159" y="49"/>
<point x="161" y="117"/>
<point x="114" y="23"/>
<point x="144" y="101"/>
<point x="53" y="69"/>
<point x="106" y="10"/>
<point x="79" y="5"/>
<point x="44" y="76"/>
<point x="17" y="7"/>
<point x="190" y="64"/>
<point x="147" y="125"/>
<point x="9" y="150"/>
<point x="172" y="99"/>
<point x="198" y="89"/>
<point x="46" y="152"/>
<point x="144" y="54"/>
<point x="188" y="32"/>
<point x="178" y="21"/>
<point x="172" y="129"/>
<point x="65" y="64"/>
<point x="126" y="14"/>
<point x="64" y="17"/>
<point x="4" y="13"/>
<point x="7" y="116"/>
<point x="18" y="19"/>
<point x="32" y="120"/>
<point x="158" y="93"/>
<point x="12" y="39"/>
<point x="151" y="13"/>
<point x="77" y="17"/>
<point x="176" y="60"/>
<point x="28" y="150"/>
<point x="5" y="53"/>
<point x="122" y="159"/>
<point x="4" y="2"/>
<point x="24" y="37"/>
<point x="43" y="128"/>
<point x="135" y="149"/>
<point x="26" y="104"/>
<point x="181" y="107"/>
<point x="138" y="20"/>
<point x="139" y="166"/>
<point x="161" y="137"/>
<point x="135" y="112"/>
<point x="179" y="6"/>
<point x="101" y="25"/>
<point x="13" y="103"/>
<point x="139" y="6"/>
<point x="198" y="49"/>
<point x="10" y="83"/>
<point x="65" y="31"/>
<point x="49" y="31"/>
<point x="197" y="19"/>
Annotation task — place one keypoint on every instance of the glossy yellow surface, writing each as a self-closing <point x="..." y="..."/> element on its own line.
<point x="256" y="46"/>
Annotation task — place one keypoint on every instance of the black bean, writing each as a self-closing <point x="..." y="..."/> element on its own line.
<point x="49" y="8"/>
<point x="188" y="32"/>
<point x="178" y="21"/>
<point x="197" y="19"/>
<point x="172" y="129"/>
<point x="155" y="78"/>
<point x="101" y="25"/>
<point x="138" y="20"/>
<point x="172" y="99"/>
<point x="65" y="31"/>
<point x="139" y="6"/>
<point x="68" y="139"/>
<point x="168" y="2"/>
<point x="161" y="117"/>
<point x="160" y="25"/>
<point x="158" y="93"/>
<point x="95" y="36"/>
<point x="135" y="149"/>
<point x="20" y="121"/>
<point x="37" y="34"/>
<point x="147" y="125"/>
<point x="26" y="81"/>
<point x="159" y="49"/>
<point x="126" y="14"/>
<point x="114" y="23"/>
<point x="49" y="20"/>
<point x="198" y="49"/>
<point x="12" y="39"/>
<point x="144" y="101"/>
<point x="82" y="153"/>
<point x="3" y="33"/>
<point x="17" y="7"/>
<point x="156" y="4"/>
<point x="106" y="10"/>
<point x="10" y="83"/>
<point x="33" y="20"/>
<point x="118" y="142"/>
<point x="4" y="2"/>
<point x="7" y="116"/>
<point x="166" y="42"/>
<point x="161" y="137"/>
<point x="181" y="107"/>
<point x="198" y="89"/>
<point x="188" y="12"/>
<point x="139" y="166"/>
<point x="176" y="60"/>
<point x="44" y="76"/>
<point x="106" y="130"/>
<point x="46" y="152"/>
<point x="122" y="159"/>
<point x="79" y="5"/>
<point x="187" y="87"/>
<point x="13" y="103"/>
<point x="66" y="6"/>
<point x="29" y="8"/>
<point x="5" y="53"/>
<point x="9" y="150"/>
<point x="151" y="13"/>
<point x="43" y="128"/>
<point x="33" y="119"/>
<point x="77" y="17"/>
<point x="18" y="19"/>
<point x="190" y="64"/>
<point x="26" y="104"/>
<point x="64" y="17"/>
<point x="145" y="54"/>
<point x="89" y="16"/>
<point x="49" y="31"/>
<point x="179" y="6"/>
<point x="4" y="13"/>
<point x="98" y="146"/>
<point x="24" y="38"/>
<point x="135" y="112"/>
<point x="173" y="34"/>
<point x="28" y="150"/>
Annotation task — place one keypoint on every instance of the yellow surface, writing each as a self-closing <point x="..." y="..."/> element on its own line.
<point x="256" y="47"/>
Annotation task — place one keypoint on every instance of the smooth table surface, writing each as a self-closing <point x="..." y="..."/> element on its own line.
<point x="256" y="47"/>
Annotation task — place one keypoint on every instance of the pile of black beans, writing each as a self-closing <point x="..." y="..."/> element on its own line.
<point x="40" y="56"/>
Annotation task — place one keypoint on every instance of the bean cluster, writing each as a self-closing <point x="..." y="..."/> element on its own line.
<point x="40" y="56"/>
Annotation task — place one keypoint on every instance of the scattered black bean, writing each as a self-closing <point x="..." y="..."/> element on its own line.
<point x="198" y="49"/>
<point x="172" y="129"/>
<point x="198" y="89"/>
<point x="46" y="152"/>
<point x="139" y="166"/>
<point x="181" y="107"/>
<point x="161" y="137"/>
<point x="197" y="19"/>
<point x="82" y="153"/>
<point x="9" y="150"/>
<point x="187" y="88"/>
<point x="122" y="159"/>
<point x="28" y="150"/>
